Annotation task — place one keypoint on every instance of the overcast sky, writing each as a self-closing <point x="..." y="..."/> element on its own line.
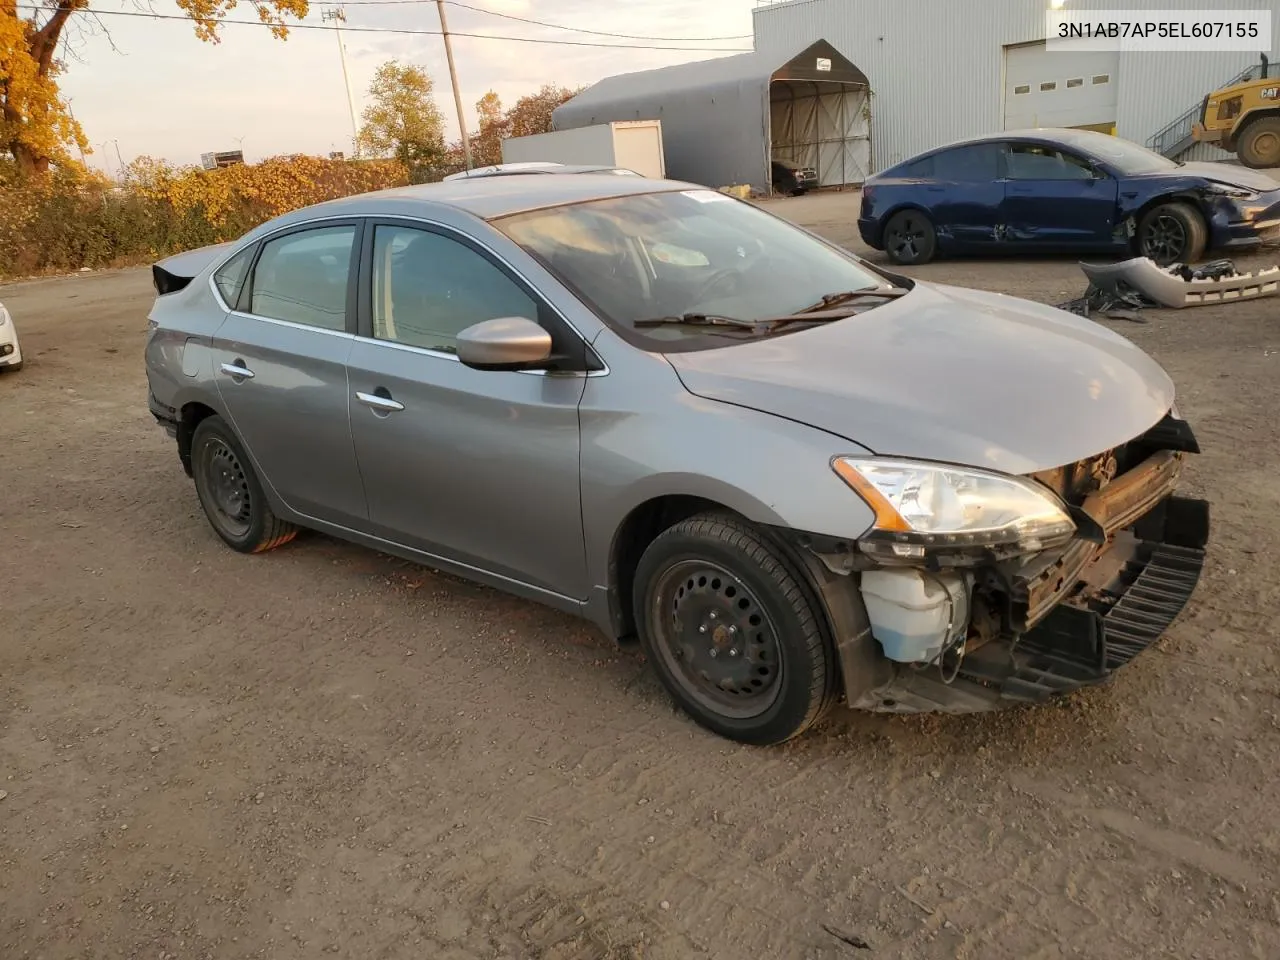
<point x="164" y="93"/>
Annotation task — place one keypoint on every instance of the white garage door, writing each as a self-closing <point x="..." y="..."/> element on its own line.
<point x="1059" y="89"/>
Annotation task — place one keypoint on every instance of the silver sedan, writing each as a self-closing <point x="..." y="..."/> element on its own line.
<point x="792" y="477"/>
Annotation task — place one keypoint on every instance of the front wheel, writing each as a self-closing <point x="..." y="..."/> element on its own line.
<point x="732" y="633"/>
<point x="1172" y="233"/>
<point x="909" y="238"/>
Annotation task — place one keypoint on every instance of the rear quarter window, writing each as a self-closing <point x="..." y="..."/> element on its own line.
<point x="229" y="278"/>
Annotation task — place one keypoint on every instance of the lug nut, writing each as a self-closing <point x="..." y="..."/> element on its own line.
<point x="733" y="651"/>
<point x="702" y="629"/>
<point x="713" y="653"/>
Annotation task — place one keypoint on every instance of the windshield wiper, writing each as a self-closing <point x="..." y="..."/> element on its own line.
<point x="698" y="320"/>
<point x="830" y="300"/>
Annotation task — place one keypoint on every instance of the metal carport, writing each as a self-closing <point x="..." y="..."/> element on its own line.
<point x="723" y="120"/>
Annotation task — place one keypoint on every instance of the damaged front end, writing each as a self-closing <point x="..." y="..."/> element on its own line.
<point x="965" y="626"/>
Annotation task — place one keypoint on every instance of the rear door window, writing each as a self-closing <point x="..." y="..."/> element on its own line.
<point x="303" y="277"/>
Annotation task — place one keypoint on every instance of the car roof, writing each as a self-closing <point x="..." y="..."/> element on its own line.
<point x="1067" y="136"/>
<point x="534" y="166"/>
<point x="493" y="197"/>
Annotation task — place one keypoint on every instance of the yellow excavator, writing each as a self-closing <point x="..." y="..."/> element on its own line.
<point x="1244" y="118"/>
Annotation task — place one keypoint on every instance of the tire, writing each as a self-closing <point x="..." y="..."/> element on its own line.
<point x="1258" y="145"/>
<point x="909" y="238"/>
<point x="748" y="623"/>
<point x="230" y="492"/>
<point x="1172" y="233"/>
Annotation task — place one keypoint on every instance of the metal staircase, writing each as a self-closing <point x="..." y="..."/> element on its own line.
<point x="1176" y="138"/>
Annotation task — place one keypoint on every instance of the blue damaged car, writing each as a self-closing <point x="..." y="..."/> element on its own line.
<point x="1060" y="191"/>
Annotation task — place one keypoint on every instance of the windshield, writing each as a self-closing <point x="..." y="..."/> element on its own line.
<point x="1126" y="156"/>
<point x="676" y="254"/>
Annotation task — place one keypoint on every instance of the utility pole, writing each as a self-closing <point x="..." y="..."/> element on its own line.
<point x="453" y="78"/>
<point x="72" y="114"/>
<point x="338" y="15"/>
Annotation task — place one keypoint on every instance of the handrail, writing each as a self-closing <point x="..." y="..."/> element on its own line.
<point x="1166" y="140"/>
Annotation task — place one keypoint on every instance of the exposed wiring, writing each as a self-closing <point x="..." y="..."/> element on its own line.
<point x="949" y="645"/>
<point x="391" y="30"/>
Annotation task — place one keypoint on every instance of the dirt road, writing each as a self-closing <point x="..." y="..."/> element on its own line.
<point x="323" y="751"/>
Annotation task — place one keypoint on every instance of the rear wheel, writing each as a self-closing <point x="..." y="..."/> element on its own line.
<point x="731" y="632"/>
<point x="1259" y="143"/>
<point x="1172" y="233"/>
<point x="909" y="238"/>
<point x="231" y="493"/>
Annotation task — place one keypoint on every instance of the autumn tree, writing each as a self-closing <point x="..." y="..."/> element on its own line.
<point x="532" y="114"/>
<point x="491" y="127"/>
<point x="402" y="119"/>
<point x="36" y="126"/>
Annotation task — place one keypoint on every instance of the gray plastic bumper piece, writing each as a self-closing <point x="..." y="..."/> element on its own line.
<point x="1170" y="290"/>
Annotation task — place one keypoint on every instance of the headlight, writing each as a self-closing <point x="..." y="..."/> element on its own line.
<point x="925" y="507"/>
<point x="1235" y="193"/>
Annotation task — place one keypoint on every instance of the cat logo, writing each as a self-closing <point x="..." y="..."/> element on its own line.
<point x="1271" y="93"/>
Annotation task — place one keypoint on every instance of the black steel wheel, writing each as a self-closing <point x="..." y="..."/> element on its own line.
<point x="230" y="492"/>
<point x="732" y="632"/>
<point x="1172" y="233"/>
<point x="909" y="237"/>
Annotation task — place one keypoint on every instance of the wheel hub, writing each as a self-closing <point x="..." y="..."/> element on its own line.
<point x="718" y="639"/>
<point x="226" y="487"/>
<point x="1165" y="239"/>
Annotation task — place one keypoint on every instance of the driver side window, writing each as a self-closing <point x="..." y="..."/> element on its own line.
<point x="428" y="288"/>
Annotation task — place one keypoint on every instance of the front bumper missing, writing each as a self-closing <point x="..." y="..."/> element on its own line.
<point x="1086" y="611"/>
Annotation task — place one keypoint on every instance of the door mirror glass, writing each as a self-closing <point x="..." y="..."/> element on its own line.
<point x="504" y="343"/>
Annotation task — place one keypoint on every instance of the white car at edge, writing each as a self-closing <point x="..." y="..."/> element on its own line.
<point x="10" y="352"/>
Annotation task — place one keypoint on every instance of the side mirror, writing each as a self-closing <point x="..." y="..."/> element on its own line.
<point x="504" y="343"/>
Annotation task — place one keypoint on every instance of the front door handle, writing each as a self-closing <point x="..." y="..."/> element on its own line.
<point x="379" y="403"/>
<point x="237" y="370"/>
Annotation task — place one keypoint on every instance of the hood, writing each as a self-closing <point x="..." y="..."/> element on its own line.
<point x="948" y="374"/>
<point x="1228" y="173"/>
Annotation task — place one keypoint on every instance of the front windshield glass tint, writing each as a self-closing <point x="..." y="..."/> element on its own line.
<point x="691" y="252"/>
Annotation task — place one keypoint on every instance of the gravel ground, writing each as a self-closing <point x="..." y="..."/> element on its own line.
<point x="324" y="751"/>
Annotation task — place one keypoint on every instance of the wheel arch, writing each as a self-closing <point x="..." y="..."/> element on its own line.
<point x="902" y="206"/>
<point x="190" y="416"/>
<point x="640" y="527"/>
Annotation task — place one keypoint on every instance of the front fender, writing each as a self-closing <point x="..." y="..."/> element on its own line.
<point x="640" y="444"/>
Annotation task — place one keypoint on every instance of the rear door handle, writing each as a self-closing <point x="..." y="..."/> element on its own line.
<point x="381" y="404"/>
<point x="237" y="370"/>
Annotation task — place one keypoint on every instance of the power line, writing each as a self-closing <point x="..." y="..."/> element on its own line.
<point x="544" y="23"/>
<point x="424" y="33"/>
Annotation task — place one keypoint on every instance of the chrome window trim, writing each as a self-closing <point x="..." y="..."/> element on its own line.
<point x="424" y="351"/>
<point x="292" y="324"/>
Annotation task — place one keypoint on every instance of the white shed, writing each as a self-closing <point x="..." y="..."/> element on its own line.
<point x="724" y="120"/>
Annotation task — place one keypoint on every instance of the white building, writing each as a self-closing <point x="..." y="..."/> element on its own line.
<point x="942" y="70"/>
